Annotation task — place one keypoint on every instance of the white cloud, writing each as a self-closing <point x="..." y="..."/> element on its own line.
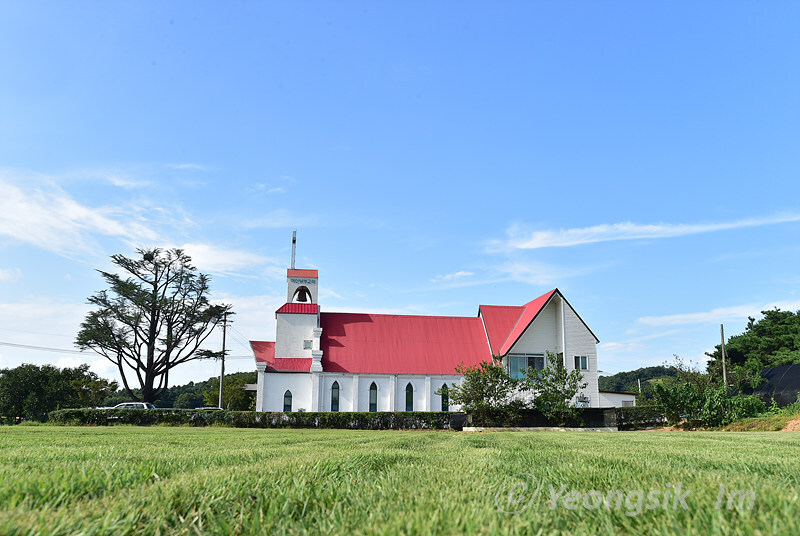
<point x="49" y="218"/>
<point x="718" y="315"/>
<point x="188" y="166"/>
<point x="9" y="276"/>
<point x="450" y="277"/>
<point x="221" y="260"/>
<point x="628" y="231"/>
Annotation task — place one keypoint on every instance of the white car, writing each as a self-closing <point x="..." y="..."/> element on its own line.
<point x="134" y="405"/>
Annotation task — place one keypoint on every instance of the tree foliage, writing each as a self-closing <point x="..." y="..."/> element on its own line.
<point x="154" y="316"/>
<point x="487" y="393"/>
<point x="234" y="397"/>
<point x="700" y="398"/>
<point x="31" y="392"/>
<point x="555" y="389"/>
<point x="493" y="397"/>
<point x="628" y="382"/>
<point x="772" y="341"/>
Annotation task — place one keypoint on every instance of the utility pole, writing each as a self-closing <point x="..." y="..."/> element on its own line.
<point x="222" y="370"/>
<point x="724" y="370"/>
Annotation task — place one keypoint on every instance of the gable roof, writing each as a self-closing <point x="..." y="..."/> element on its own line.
<point x="401" y="344"/>
<point x="265" y="353"/>
<point x="529" y="313"/>
<point x="505" y="324"/>
<point x="499" y="320"/>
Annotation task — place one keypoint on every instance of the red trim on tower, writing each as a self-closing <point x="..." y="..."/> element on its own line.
<point x="302" y="273"/>
<point x="299" y="308"/>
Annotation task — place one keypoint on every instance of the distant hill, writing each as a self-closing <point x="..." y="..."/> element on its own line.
<point x="627" y="382"/>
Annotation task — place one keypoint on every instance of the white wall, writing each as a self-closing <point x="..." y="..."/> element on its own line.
<point x="291" y="331"/>
<point x="580" y="341"/>
<point x="615" y="400"/>
<point x="302" y="384"/>
<point x="277" y="383"/>
<point x="542" y="335"/>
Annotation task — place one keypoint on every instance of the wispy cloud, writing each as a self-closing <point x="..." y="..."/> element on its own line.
<point x="9" y="276"/>
<point x="49" y="218"/>
<point x="225" y="261"/>
<point x="451" y="277"/>
<point x="521" y="238"/>
<point x="718" y="315"/>
<point x="188" y="166"/>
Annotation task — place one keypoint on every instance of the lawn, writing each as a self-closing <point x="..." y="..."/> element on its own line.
<point x="161" y="480"/>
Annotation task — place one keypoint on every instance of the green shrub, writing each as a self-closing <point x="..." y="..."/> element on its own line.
<point x="386" y="420"/>
<point x="636" y="417"/>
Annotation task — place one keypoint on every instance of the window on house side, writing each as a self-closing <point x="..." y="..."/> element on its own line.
<point x="287" y="401"/>
<point x="335" y="396"/>
<point x="518" y="364"/>
<point x="581" y="362"/>
<point x="306" y="345"/>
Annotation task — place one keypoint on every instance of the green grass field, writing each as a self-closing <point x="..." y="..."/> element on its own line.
<point x="160" y="480"/>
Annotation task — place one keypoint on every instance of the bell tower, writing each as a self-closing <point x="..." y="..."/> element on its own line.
<point x="298" y="330"/>
<point x="301" y="285"/>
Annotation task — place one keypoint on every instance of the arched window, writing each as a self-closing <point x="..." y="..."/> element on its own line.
<point x="409" y="397"/>
<point x="373" y="397"/>
<point x="287" y="401"/>
<point x="445" y="398"/>
<point x="335" y="396"/>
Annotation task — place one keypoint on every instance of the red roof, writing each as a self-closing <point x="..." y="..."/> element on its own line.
<point x="529" y="313"/>
<point x="265" y="353"/>
<point x="400" y="344"/>
<point x="299" y="308"/>
<point x="499" y="321"/>
<point x="302" y="273"/>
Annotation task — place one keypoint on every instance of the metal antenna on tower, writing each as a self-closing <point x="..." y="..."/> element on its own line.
<point x="294" y="245"/>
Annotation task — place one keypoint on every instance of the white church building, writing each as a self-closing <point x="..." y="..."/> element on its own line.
<point x="323" y="361"/>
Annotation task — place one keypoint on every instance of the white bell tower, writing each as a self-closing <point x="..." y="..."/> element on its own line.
<point x="298" y="331"/>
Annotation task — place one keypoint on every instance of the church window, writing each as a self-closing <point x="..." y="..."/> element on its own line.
<point x="287" y="401"/>
<point x="373" y="397"/>
<point x="335" y="396"/>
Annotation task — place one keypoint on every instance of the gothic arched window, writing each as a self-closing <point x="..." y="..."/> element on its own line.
<point x="335" y="396"/>
<point x="373" y="397"/>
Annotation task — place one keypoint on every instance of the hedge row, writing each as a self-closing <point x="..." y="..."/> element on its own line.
<point x="635" y="417"/>
<point x="385" y="420"/>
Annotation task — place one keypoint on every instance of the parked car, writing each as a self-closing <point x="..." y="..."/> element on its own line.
<point x="207" y="408"/>
<point x="134" y="405"/>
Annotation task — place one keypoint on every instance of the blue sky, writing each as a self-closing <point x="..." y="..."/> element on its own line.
<point x="642" y="158"/>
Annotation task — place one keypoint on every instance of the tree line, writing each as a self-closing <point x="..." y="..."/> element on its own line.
<point x="31" y="392"/>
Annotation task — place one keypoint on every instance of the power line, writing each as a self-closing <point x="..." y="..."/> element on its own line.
<point x="81" y="352"/>
<point x="43" y="348"/>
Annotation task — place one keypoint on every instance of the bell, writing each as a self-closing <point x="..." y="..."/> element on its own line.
<point x="302" y="295"/>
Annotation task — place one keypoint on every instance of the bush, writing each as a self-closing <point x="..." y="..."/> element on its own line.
<point x="719" y="408"/>
<point x="385" y="420"/>
<point x="635" y="417"/>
